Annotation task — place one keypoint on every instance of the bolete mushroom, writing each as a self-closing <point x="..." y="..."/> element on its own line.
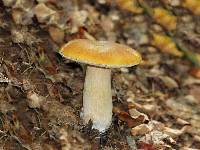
<point x="100" y="56"/>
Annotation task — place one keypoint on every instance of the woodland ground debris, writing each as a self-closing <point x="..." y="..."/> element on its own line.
<point x="165" y="88"/>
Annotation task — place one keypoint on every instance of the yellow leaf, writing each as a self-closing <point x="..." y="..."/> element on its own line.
<point x="129" y="5"/>
<point x="164" y="18"/>
<point x="198" y="57"/>
<point x="193" y="6"/>
<point x="165" y="44"/>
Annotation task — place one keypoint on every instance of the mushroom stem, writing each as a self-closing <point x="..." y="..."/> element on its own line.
<point x="97" y="98"/>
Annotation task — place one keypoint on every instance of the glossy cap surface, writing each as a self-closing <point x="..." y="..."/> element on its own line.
<point x="100" y="53"/>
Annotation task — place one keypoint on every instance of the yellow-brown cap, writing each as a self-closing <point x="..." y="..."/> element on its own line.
<point x="101" y="53"/>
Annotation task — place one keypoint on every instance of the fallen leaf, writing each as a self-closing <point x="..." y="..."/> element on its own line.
<point x="78" y="19"/>
<point x="182" y="122"/>
<point x="169" y="82"/>
<point x="193" y="6"/>
<point x="165" y="44"/>
<point x="56" y="34"/>
<point x="131" y="142"/>
<point x="59" y="19"/>
<point x="4" y="79"/>
<point x="140" y="130"/>
<point x="195" y="72"/>
<point x="136" y="114"/>
<point x="195" y="92"/>
<point x="187" y="148"/>
<point x="190" y="81"/>
<point x="163" y="17"/>
<point x="22" y="17"/>
<point x="24" y="5"/>
<point x="145" y="146"/>
<point x="43" y="12"/>
<point x="144" y="107"/>
<point x="64" y="139"/>
<point x="197" y="138"/>
<point x="175" y="132"/>
<point x="22" y="35"/>
<point x="9" y="3"/>
<point x="157" y="139"/>
<point x="35" y="100"/>
<point x="124" y="116"/>
<point x="129" y="5"/>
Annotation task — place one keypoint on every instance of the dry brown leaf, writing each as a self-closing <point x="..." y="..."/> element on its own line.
<point x="187" y="148"/>
<point x="56" y="34"/>
<point x="59" y="19"/>
<point x="169" y="82"/>
<point x="35" y="100"/>
<point x="24" y="5"/>
<point x="148" y="107"/>
<point x="124" y="116"/>
<point x="195" y="92"/>
<point x="182" y="122"/>
<point x="9" y="3"/>
<point x="21" y="35"/>
<point x="3" y="79"/>
<point x="140" y="130"/>
<point x="195" y="72"/>
<point x="175" y="132"/>
<point x="146" y="146"/>
<point x="190" y="81"/>
<point x="43" y="12"/>
<point x="78" y="19"/>
<point x="135" y="114"/>
<point x="157" y="139"/>
<point x="22" y="17"/>
<point x="197" y="138"/>
<point x="64" y="139"/>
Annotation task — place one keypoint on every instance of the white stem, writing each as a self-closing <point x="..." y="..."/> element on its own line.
<point x="97" y="98"/>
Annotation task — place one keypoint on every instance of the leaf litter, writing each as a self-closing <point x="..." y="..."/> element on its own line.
<point x="156" y="104"/>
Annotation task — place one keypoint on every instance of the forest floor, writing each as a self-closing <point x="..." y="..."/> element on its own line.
<point x="156" y="104"/>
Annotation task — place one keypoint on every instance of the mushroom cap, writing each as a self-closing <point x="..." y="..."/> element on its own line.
<point x="101" y="53"/>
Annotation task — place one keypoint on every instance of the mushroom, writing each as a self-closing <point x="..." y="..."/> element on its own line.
<point x="100" y="56"/>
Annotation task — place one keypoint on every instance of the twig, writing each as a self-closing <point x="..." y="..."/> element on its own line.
<point x="18" y="140"/>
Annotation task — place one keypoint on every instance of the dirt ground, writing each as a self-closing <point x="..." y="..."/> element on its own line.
<point x="156" y="104"/>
